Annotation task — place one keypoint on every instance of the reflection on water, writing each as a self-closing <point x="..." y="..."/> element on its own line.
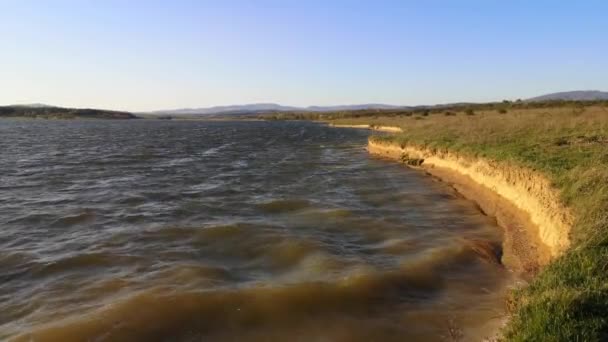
<point x="187" y="231"/>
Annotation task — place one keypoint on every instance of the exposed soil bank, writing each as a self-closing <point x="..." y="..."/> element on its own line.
<point x="536" y="225"/>
<point x="390" y="129"/>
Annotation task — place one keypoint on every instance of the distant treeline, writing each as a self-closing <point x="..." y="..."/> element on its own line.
<point x="61" y="113"/>
<point x="450" y="109"/>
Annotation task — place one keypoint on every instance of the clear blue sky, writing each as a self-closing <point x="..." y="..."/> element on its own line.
<point x="144" y="55"/>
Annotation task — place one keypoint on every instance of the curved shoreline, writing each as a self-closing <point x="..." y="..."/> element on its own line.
<point x="536" y="225"/>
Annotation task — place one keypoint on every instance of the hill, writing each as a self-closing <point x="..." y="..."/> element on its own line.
<point x="49" y="112"/>
<point x="579" y="95"/>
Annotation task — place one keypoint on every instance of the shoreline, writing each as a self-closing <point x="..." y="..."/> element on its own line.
<point x="551" y="167"/>
<point x="536" y="226"/>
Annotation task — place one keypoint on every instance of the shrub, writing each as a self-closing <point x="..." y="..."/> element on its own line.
<point x="469" y="111"/>
<point x="502" y="111"/>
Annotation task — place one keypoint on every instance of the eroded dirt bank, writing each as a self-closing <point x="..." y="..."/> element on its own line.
<point x="523" y="202"/>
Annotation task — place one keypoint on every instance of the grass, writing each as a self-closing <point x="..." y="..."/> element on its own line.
<point x="568" y="300"/>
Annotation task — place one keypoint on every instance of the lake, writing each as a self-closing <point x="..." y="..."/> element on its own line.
<point x="151" y="230"/>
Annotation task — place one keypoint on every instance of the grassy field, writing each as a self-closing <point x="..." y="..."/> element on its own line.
<point x="568" y="300"/>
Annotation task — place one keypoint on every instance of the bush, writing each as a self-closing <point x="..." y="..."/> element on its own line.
<point x="502" y="111"/>
<point x="448" y="113"/>
<point x="469" y="111"/>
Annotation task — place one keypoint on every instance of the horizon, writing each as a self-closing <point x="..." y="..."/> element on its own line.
<point x="142" y="57"/>
<point x="160" y="111"/>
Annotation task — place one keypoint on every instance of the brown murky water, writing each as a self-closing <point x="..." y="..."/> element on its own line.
<point x="189" y="231"/>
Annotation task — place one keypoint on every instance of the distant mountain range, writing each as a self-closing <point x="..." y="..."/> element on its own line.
<point x="578" y="95"/>
<point x="266" y="107"/>
<point x="581" y="95"/>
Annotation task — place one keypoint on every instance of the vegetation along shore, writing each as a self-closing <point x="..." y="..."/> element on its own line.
<point x="550" y="162"/>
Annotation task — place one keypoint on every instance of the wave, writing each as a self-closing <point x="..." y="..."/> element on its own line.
<point x="215" y="150"/>
<point x="85" y="261"/>
<point x="86" y="215"/>
<point x="284" y="205"/>
<point x="159" y="314"/>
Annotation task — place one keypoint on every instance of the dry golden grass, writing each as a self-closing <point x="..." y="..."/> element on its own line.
<point x="491" y="121"/>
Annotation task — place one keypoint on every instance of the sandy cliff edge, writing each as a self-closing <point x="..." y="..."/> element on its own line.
<point x="523" y="202"/>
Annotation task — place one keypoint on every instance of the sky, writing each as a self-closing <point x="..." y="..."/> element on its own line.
<point x="150" y="55"/>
